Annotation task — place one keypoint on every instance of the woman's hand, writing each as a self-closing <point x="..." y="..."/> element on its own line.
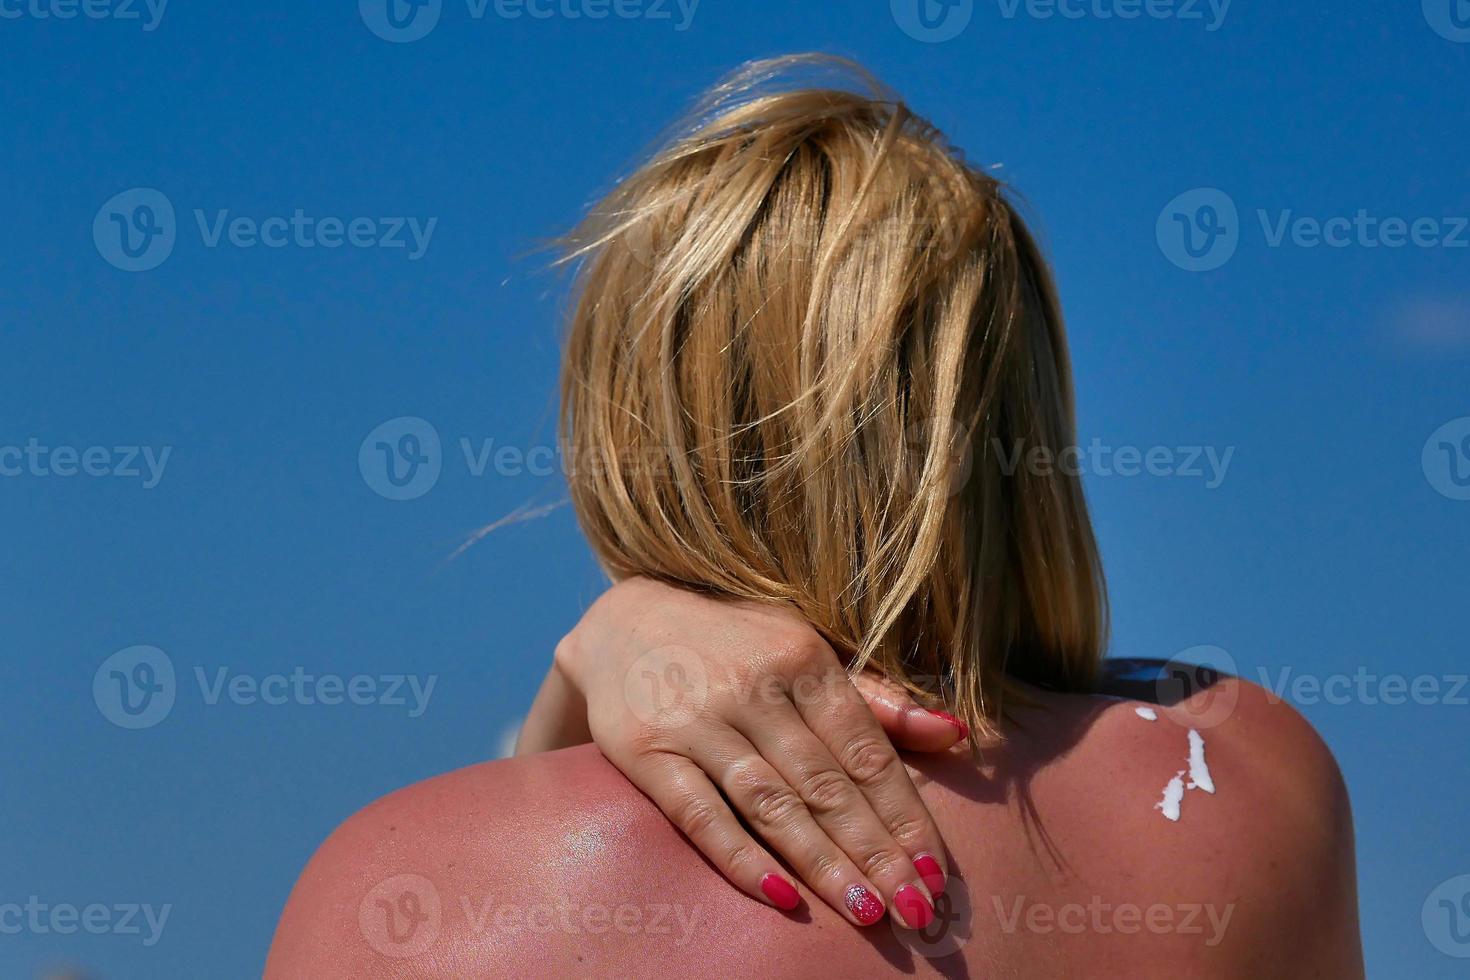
<point x="702" y="701"/>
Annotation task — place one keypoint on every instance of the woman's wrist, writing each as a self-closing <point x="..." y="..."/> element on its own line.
<point x="610" y="622"/>
<point x="566" y="658"/>
<point x="558" y="716"/>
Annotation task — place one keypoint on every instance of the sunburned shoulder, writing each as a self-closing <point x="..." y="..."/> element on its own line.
<point x="1224" y="811"/>
<point x="415" y="881"/>
<point x="1227" y="798"/>
<point x="1260" y="745"/>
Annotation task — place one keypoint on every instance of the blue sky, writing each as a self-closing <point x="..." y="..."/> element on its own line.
<point x="185" y="453"/>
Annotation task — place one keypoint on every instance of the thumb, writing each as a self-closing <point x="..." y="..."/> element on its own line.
<point x="908" y="725"/>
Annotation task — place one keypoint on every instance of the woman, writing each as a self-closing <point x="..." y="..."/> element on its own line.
<point x="814" y="371"/>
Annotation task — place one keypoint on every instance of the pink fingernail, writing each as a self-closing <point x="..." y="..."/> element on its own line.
<point x="913" y="907"/>
<point x="964" y="729"/>
<point x="866" y="907"/>
<point x="931" y="873"/>
<point x="781" y="892"/>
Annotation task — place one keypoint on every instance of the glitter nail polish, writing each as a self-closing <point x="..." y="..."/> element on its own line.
<point x="863" y="904"/>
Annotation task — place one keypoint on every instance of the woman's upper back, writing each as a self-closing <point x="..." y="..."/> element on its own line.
<point x="1064" y="856"/>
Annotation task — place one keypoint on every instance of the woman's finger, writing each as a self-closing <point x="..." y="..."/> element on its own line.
<point x="844" y="811"/>
<point x="778" y="814"/>
<point x="839" y="717"/>
<point x="686" y="796"/>
<point x="906" y="723"/>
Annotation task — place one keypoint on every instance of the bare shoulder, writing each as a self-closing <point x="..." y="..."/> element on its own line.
<point x="1297" y="870"/>
<point x="1248" y="812"/>
<point x="1249" y="871"/>
<point x="415" y="883"/>
<point x="1240" y="722"/>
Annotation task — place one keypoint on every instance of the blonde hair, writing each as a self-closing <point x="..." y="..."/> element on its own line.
<point x="808" y="343"/>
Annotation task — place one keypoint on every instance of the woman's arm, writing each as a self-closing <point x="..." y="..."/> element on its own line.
<point x="721" y="711"/>
<point x="557" y="719"/>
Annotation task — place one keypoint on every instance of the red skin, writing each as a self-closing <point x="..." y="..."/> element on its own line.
<point x="554" y="865"/>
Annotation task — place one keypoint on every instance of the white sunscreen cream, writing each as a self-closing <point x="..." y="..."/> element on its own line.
<point x="1173" y="794"/>
<point x="1199" y="774"/>
<point x="1147" y="714"/>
